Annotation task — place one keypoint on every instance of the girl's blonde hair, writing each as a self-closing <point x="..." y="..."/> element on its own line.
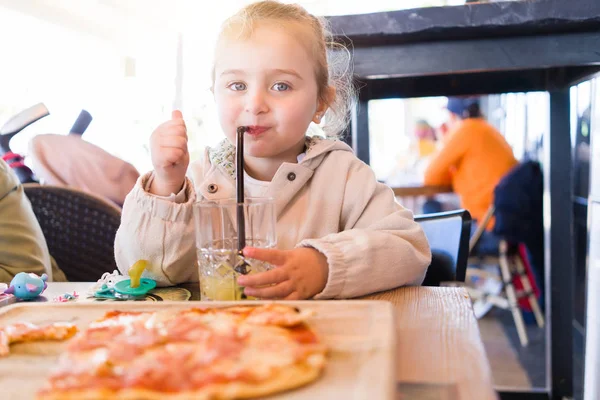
<point x="332" y="59"/>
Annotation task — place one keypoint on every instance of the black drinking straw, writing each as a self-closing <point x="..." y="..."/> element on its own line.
<point x="241" y="223"/>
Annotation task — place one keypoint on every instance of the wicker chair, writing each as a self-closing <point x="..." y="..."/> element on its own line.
<point x="79" y="228"/>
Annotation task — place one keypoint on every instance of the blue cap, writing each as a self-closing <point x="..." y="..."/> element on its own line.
<point x="458" y="105"/>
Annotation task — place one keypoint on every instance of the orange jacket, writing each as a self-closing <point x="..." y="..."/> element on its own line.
<point x="473" y="161"/>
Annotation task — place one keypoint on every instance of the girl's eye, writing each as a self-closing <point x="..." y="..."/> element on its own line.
<point x="280" y="87"/>
<point x="237" y="86"/>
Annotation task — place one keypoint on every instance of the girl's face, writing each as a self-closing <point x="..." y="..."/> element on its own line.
<point x="267" y="82"/>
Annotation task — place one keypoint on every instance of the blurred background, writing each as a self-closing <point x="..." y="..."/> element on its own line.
<point x="130" y="62"/>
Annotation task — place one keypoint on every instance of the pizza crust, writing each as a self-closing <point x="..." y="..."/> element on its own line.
<point x="287" y="378"/>
<point x="26" y="333"/>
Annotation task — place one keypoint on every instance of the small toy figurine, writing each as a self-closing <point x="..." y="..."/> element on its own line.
<point x="66" y="297"/>
<point x="27" y="286"/>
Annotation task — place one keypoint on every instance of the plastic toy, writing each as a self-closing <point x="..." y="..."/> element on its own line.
<point x="27" y="286"/>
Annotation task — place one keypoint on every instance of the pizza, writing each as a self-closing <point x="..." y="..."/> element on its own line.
<point x="28" y="332"/>
<point x="236" y="352"/>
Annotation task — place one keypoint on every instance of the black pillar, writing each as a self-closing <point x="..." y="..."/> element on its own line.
<point x="558" y="227"/>
<point x="360" y="130"/>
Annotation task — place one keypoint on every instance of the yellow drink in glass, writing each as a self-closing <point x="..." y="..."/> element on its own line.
<point x="218" y="278"/>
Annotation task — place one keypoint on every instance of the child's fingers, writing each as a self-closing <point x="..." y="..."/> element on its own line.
<point x="293" y="296"/>
<point x="171" y="156"/>
<point x="279" y="291"/>
<point x="271" y="277"/>
<point x="173" y="127"/>
<point x="176" y="114"/>
<point x="272" y="256"/>
<point x="176" y="142"/>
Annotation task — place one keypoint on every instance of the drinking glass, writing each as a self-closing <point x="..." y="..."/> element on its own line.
<point x="219" y="261"/>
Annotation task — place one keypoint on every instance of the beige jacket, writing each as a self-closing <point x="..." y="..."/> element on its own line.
<point x="330" y="201"/>
<point x="22" y="244"/>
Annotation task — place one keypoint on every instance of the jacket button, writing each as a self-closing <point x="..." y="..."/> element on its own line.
<point x="212" y="188"/>
<point x="291" y="176"/>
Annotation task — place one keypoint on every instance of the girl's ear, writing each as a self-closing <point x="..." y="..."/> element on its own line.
<point x="324" y="104"/>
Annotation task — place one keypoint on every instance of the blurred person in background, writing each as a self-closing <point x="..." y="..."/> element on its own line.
<point x="474" y="158"/>
<point x="426" y="138"/>
<point x="22" y="244"/>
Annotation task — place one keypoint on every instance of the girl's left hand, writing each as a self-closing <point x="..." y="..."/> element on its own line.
<point x="298" y="274"/>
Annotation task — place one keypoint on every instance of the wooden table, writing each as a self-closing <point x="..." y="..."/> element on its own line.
<point x="420" y="190"/>
<point x="438" y="342"/>
<point x="412" y="197"/>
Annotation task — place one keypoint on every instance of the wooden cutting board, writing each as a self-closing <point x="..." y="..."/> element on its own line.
<point x="359" y="334"/>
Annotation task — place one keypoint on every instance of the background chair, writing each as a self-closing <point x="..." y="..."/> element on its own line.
<point x="448" y="236"/>
<point x="517" y="210"/>
<point x="513" y="264"/>
<point x="79" y="228"/>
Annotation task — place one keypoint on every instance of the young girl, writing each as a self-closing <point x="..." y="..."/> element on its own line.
<point x="340" y="233"/>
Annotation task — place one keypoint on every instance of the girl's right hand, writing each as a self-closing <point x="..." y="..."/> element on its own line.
<point x="170" y="157"/>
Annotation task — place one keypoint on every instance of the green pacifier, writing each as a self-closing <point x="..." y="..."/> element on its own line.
<point x="125" y="288"/>
<point x="135" y="286"/>
<point x="132" y="288"/>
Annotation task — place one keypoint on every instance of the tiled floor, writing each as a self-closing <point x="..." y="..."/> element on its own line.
<point x="533" y="357"/>
<point x="506" y="369"/>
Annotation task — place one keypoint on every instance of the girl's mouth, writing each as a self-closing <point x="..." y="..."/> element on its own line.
<point x="256" y="130"/>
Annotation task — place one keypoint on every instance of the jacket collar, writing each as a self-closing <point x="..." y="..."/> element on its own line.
<point x="223" y="155"/>
<point x="222" y="171"/>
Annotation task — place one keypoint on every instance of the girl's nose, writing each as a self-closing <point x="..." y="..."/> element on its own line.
<point x="257" y="102"/>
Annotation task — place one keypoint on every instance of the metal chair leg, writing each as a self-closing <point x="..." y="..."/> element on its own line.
<point x="510" y="293"/>
<point x="535" y="307"/>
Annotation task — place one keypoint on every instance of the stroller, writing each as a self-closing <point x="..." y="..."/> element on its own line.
<point x="13" y="126"/>
<point x="67" y="160"/>
<point x="21" y="121"/>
